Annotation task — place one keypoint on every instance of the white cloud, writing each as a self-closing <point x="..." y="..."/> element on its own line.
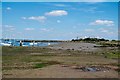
<point x="29" y="29"/>
<point x="60" y="5"/>
<point x="106" y="31"/>
<point x="57" y="13"/>
<point x="8" y="27"/>
<point x="45" y="29"/>
<point x="24" y="18"/>
<point x="38" y="18"/>
<point x="103" y="22"/>
<point x="89" y="30"/>
<point x="98" y="37"/>
<point x="91" y="10"/>
<point x="8" y="8"/>
<point x="84" y="37"/>
<point x="74" y="27"/>
<point x="58" y="21"/>
<point x="93" y="0"/>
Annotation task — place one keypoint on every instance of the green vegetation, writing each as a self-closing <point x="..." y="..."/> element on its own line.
<point x="112" y="55"/>
<point x="90" y="39"/>
<point x="103" y="42"/>
<point x="41" y="65"/>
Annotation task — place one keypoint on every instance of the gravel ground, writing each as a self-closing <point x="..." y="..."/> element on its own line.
<point x="76" y="46"/>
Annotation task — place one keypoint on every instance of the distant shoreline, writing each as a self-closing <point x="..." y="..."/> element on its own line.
<point x="26" y="40"/>
<point x="43" y="41"/>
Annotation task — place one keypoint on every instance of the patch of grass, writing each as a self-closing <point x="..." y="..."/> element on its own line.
<point x="53" y="62"/>
<point x="40" y="65"/>
<point x="112" y="55"/>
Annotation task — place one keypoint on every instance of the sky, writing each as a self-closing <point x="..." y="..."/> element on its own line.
<point x="59" y="20"/>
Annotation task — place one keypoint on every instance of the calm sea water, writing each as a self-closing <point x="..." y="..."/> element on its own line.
<point x="17" y="43"/>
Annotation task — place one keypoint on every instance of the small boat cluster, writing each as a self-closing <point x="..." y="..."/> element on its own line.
<point x="22" y="43"/>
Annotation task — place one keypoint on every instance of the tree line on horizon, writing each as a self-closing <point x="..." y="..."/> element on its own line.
<point x="91" y="39"/>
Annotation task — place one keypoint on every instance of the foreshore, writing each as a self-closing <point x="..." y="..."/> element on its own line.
<point x="67" y="59"/>
<point x="80" y="46"/>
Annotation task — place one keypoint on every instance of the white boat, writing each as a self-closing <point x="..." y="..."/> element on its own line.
<point x="25" y="45"/>
<point x="32" y="43"/>
<point x="10" y="42"/>
<point x="35" y="43"/>
<point x="48" y="43"/>
<point x="5" y="44"/>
